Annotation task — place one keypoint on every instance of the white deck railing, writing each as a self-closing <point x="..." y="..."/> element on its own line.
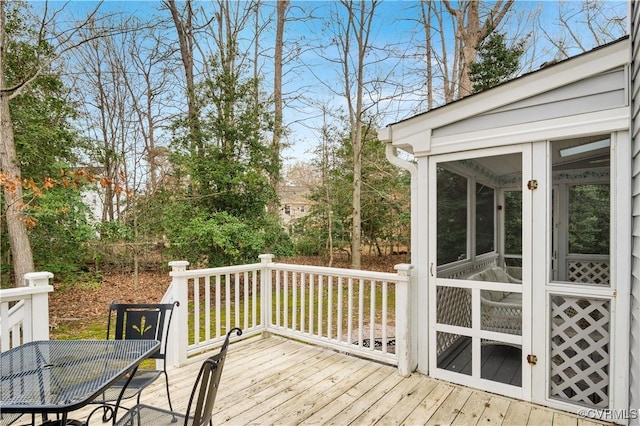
<point x="24" y="311"/>
<point x="360" y="312"/>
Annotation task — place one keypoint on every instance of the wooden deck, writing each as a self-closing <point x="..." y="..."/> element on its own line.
<point x="284" y="382"/>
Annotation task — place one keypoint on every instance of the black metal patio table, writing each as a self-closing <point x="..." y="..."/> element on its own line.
<point x="60" y="376"/>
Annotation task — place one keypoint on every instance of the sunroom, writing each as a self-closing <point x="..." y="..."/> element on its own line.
<point x="521" y="230"/>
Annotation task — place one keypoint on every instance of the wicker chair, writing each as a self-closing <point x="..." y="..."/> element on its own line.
<point x="500" y="311"/>
<point x="200" y="407"/>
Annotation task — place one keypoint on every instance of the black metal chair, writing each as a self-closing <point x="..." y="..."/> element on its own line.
<point x="200" y="407"/>
<point x="136" y="321"/>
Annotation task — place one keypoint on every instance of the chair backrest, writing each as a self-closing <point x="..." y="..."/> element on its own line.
<point x="205" y="389"/>
<point x="493" y="274"/>
<point x="141" y="321"/>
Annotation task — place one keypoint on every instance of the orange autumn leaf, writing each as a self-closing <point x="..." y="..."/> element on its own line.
<point x="9" y="185"/>
<point x="49" y="183"/>
<point x="104" y="182"/>
<point x="30" y="222"/>
<point x="28" y="184"/>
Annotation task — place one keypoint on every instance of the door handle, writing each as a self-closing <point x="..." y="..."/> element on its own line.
<point x="431" y="269"/>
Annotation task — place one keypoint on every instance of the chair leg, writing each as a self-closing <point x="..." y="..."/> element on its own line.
<point x="166" y="381"/>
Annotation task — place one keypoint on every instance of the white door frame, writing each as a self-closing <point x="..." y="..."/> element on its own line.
<point x="537" y="269"/>
<point x="523" y="392"/>
<point x="543" y="286"/>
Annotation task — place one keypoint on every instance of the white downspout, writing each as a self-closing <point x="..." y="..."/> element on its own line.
<point x="392" y="155"/>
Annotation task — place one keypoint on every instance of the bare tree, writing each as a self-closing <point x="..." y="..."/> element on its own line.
<point x="358" y="28"/>
<point x="425" y="17"/>
<point x="151" y="94"/>
<point x="366" y="81"/>
<point x="302" y="173"/>
<point x="108" y="104"/>
<point x="281" y="17"/>
<point x="184" y="24"/>
<point x="581" y="26"/>
<point x="447" y="62"/>
<point x="471" y="30"/>
<point x="326" y="160"/>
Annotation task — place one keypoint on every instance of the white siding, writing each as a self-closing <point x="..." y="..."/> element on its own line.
<point x="634" y="359"/>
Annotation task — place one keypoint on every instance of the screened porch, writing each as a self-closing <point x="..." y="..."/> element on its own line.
<point x="484" y="308"/>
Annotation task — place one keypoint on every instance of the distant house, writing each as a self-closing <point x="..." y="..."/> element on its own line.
<point x="294" y="204"/>
<point x="93" y="198"/>
<point x="526" y="235"/>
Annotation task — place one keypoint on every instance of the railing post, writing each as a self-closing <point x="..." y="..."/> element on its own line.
<point x="266" y="302"/>
<point x="179" y="333"/>
<point x="37" y="319"/>
<point x="403" y="319"/>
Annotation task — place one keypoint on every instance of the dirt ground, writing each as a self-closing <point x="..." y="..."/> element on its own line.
<point x="82" y="303"/>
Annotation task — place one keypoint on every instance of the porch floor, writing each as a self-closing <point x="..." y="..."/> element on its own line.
<point x="500" y="363"/>
<point x="281" y="381"/>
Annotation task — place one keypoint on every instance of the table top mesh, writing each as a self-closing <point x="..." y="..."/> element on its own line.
<point x="63" y="375"/>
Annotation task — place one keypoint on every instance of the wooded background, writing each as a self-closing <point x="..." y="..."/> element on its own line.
<point x="183" y="119"/>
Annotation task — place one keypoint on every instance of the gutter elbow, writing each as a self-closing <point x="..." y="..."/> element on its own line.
<point x="392" y="155"/>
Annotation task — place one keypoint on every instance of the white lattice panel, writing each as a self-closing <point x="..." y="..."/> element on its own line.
<point x="580" y="350"/>
<point x="593" y="272"/>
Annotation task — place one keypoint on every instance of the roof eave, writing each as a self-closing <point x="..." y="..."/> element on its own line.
<point x="414" y="134"/>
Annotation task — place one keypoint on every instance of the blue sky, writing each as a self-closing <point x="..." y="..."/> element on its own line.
<point x="395" y="24"/>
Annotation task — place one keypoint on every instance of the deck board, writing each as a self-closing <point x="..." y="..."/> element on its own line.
<point x="366" y="401"/>
<point x="397" y="414"/>
<point x="427" y="407"/>
<point x="518" y="414"/>
<point x="284" y="382"/>
<point x="451" y="407"/>
<point x="345" y="399"/>
<point x="495" y="412"/>
<point x="472" y="409"/>
<point x="321" y="394"/>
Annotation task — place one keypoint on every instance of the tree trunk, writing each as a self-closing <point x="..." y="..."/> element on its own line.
<point x="184" y="29"/>
<point x="16" y="228"/>
<point x="471" y="30"/>
<point x="356" y="237"/>
<point x="426" y="22"/>
<point x="362" y="30"/>
<point x="281" y="8"/>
